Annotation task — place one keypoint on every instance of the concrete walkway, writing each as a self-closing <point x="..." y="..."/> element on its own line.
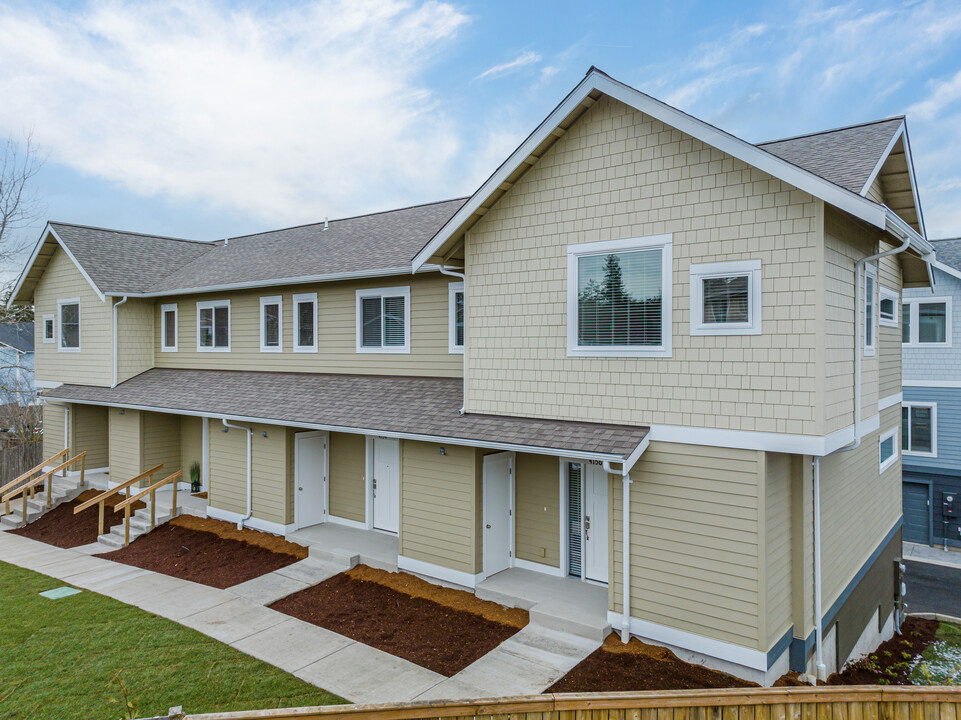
<point x="526" y="663"/>
<point x="936" y="555"/>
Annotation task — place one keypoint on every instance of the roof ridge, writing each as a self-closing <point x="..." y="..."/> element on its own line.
<point x="350" y="217"/>
<point x="129" y="232"/>
<point x="831" y="130"/>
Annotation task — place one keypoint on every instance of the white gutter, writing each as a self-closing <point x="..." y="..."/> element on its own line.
<point x="250" y="472"/>
<point x="115" y="354"/>
<point x="463" y="278"/>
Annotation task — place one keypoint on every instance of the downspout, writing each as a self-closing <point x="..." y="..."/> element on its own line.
<point x="250" y="476"/>
<point x="625" y="548"/>
<point x="819" y="621"/>
<point x="115" y="354"/>
<point x="453" y="273"/>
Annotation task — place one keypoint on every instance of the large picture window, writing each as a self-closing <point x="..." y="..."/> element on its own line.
<point x="69" y="311"/>
<point x="919" y="429"/>
<point x="926" y="321"/>
<point x="619" y="298"/>
<point x="213" y="326"/>
<point x="726" y="298"/>
<point x="383" y="320"/>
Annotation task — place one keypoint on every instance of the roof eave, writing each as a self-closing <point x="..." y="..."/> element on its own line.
<point x="898" y="227"/>
<point x="48" y="230"/>
<point x="595" y="80"/>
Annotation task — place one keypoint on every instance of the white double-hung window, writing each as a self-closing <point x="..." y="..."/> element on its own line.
<point x="48" y="328"/>
<point x="305" y="322"/>
<point x="919" y="429"/>
<point x="168" y="328"/>
<point x="926" y="321"/>
<point x="455" y="319"/>
<point x="272" y="324"/>
<point x="619" y="298"/>
<point x="213" y="326"/>
<point x="383" y="320"/>
<point x="69" y="311"/>
<point x="726" y="298"/>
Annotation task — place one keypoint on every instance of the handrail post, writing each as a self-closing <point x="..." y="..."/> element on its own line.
<point x="153" y="509"/>
<point x="126" y="526"/>
<point x="83" y="468"/>
<point x="173" y="508"/>
<point x="100" y="528"/>
<point x="49" y="489"/>
<point x="24" y="512"/>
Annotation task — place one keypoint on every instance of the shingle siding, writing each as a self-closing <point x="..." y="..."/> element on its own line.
<point x="937" y="363"/>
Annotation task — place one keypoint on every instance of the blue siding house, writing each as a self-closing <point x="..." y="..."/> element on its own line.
<point x="931" y="403"/>
<point x="17" y="385"/>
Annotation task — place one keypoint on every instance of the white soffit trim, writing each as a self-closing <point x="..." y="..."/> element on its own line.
<point x="458" y="577"/>
<point x="846" y="200"/>
<point x="33" y="259"/>
<point x="882" y="159"/>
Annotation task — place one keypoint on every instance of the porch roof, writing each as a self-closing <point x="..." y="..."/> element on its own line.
<point x="411" y="407"/>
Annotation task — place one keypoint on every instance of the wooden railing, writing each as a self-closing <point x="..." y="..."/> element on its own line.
<point x="47" y="477"/>
<point x="102" y="498"/>
<point x="29" y="475"/>
<point x="152" y="491"/>
<point x="873" y="702"/>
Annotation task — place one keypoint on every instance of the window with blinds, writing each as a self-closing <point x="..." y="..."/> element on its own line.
<point x="726" y="298"/>
<point x="575" y="522"/>
<point x="383" y="320"/>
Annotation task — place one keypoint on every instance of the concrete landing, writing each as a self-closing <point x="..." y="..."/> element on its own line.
<point x="342" y="544"/>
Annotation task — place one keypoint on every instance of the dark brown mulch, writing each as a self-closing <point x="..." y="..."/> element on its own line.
<point x="201" y="555"/>
<point x="891" y="663"/>
<point x="636" y="666"/>
<point x="62" y="528"/>
<point x="432" y="635"/>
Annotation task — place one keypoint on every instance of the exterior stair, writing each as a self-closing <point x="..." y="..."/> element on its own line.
<point x="139" y="525"/>
<point x="62" y="490"/>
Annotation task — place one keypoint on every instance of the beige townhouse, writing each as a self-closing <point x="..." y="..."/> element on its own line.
<point x="648" y="370"/>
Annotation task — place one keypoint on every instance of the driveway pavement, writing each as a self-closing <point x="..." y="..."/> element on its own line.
<point x="933" y="588"/>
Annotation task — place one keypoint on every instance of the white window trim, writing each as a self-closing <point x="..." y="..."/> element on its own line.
<point x="53" y="326"/>
<point x="885" y="464"/>
<point x="298" y="299"/>
<point x="888" y="294"/>
<point x="912" y="304"/>
<point x="452" y="290"/>
<point x="400" y="291"/>
<point x="59" y="324"/>
<point x="934" y="429"/>
<point x="750" y="268"/>
<point x="277" y="300"/>
<point x="667" y="278"/>
<point x="164" y="309"/>
<point x="211" y="304"/>
<point x="870" y="271"/>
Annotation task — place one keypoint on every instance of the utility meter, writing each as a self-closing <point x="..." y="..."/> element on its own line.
<point x="950" y="505"/>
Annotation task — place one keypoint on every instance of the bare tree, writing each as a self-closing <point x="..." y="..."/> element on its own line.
<point x="19" y="201"/>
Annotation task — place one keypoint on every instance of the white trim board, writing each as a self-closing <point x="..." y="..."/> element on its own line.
<point x="538" y="567"/>
<point x="457" y="577"/>
<point x="252" y="522"/>
<point x="334" y="520"/>
<point x="890" y="401"/>
<point x="932" y="383"/>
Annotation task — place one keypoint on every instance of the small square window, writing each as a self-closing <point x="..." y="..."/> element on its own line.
<point x="888" y="308"/>
<point x="726" y="298"/>
<point x="168" y="328"/>
<point x="213" y="326"/>
<point x="456" y="317"/>
<point x="305" y="322"/>
<point x="887" y="450"/>
<point x="271" y="324"/>
<point x="49" y="321"/>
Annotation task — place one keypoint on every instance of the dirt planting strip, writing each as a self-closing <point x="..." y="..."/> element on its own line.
<point x="441" y="629"/>
<point x="62" y="528"/>
<point x="221" y="556"/>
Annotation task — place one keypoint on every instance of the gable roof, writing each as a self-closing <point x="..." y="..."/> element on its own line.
<point x="949" y="256"/>
<point x="596" y="84"/>
<point x="18" y="335"/>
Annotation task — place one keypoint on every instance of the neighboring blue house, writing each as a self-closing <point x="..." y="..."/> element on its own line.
<point x="16" y="364"/>
<point x="931" y="407"/>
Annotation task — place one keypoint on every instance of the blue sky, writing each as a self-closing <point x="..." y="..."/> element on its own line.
<point x="208" y="119"/>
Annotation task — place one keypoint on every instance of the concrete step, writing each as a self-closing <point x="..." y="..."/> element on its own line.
<point x="139" y="525"/>
<point x="550" y="616"/>
<point x="336" y="556"/>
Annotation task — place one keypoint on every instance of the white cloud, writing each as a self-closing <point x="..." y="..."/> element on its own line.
<point x="944" y="94"/>
<point x="525" y="58"/>
<point x="283" y="113"/>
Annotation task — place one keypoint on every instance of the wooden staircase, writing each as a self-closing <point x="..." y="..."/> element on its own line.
<point x="26" y="498"/>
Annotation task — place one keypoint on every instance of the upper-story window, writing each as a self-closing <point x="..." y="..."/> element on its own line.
<point x="926" y="321"/>
<point x="69" y="325"/>
<point x="271" y="324"/>
<point x="213" y="326"/>
<point x="888" y="308"/>
<point x="168" y="328"/>
<point x="870" y="288"/>
<point x="919" y="429"/>
<point x="48" y="327"/>
<point x="305" y="322"/>
<point x="383" y="320"/>
<point x="619" y="298"/>
<point x="726" y="298"/>
<point x="887" y="449"/>
<point x="455" y="320"/>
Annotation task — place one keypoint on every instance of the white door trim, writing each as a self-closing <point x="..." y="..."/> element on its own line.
<point x="512" y="464"/>
<point x="326" y="485"/>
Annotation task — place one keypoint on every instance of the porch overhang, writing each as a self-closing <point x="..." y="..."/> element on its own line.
<point x="414" y="408"/>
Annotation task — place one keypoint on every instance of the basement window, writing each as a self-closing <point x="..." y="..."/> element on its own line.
<point x="168" y="328"/>
<point x="48" y="327"/>
<point x="271" y="324"/>
<point x="305" y="322"/>
<point x="383" y="320"/>
<point x="213" y="326"/>
<point x="69" y="325"/>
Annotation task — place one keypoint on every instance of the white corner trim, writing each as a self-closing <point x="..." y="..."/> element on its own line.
<point x="334" y="520"/>
<point x="754" y="659"/>
<point x="458" y="577"/>
<point x="253" y="522"/>
<point x="538" y="567"/>
<point x="932" y="383"/>
<point x="889" y="401"/>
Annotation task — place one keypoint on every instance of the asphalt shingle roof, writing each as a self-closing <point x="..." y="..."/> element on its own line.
<point x="948" y="251"/>
<point x="17" y="335"/>
<point x="845" y="157"/>
<point x="410" y="405"/>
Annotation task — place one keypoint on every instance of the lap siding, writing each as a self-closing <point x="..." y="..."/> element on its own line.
<point x="537" y="509"/>
<point x="348" y="467"/>
<point x="52" y="430"/>
<point x="125" y="444"/>
<point x="228" y="471"/>
<point x="89" y="434"/>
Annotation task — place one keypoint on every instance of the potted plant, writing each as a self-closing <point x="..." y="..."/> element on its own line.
<point x="195" y="477"/>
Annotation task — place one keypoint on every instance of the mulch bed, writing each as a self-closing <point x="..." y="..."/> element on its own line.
<point x="636" y="666"/>
<point x="892" y="662"/>
<point x="438" y="628"/>
<point x="207" y="551"/>
<point x="62" y="528"/>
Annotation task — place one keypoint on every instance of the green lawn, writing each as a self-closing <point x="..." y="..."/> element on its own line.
<point x="67" y="658"/>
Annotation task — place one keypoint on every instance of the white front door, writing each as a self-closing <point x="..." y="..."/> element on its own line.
<point x="385" y="484"/>
<point x="498" y="489"/>
<point x="310" y="476"/>
<point x="595" y="523"/>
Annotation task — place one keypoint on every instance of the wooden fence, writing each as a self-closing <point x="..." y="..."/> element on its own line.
<point x="16" y="460"/>
<point x="823" y="703"/>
